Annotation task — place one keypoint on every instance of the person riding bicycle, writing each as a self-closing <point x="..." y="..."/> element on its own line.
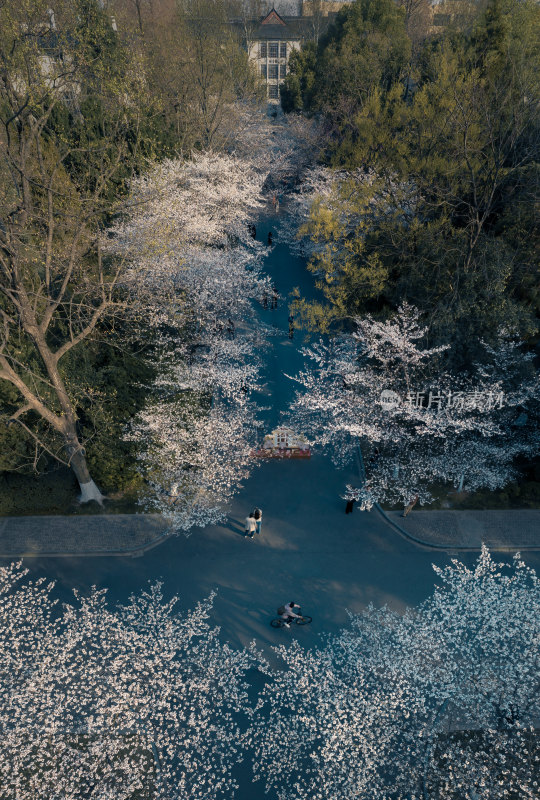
<point x="289" y="614"/>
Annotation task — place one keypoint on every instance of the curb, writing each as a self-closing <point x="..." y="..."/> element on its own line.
<point x="456" y="547"/>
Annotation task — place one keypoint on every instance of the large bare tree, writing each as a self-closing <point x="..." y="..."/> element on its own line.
<point x="68" y="138"/>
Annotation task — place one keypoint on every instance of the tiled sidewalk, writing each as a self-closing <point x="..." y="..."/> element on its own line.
<point x="513" y="530"/>
<point x="99" y="534"/>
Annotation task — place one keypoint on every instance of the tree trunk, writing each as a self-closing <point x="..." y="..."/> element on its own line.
<point x="77" y="462"/>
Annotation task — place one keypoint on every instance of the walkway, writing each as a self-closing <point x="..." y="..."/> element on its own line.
<point x="84" y="535"/>
<point x="134" y="534"/>
<point x="467" y="530"/>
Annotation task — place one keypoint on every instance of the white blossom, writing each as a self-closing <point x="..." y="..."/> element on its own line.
<point x="431" y="702"/>
<point x="427" y="436"/>
<point x="189" y="246"/>
<point x="123" y="702"/>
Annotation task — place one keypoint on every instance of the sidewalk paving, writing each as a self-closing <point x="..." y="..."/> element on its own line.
<point x="464" y="530"/>
<point x="134" y="534"/>
<point x="91" y="535"/>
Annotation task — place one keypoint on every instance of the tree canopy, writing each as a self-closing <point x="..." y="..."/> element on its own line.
<point x="450" y="142"/>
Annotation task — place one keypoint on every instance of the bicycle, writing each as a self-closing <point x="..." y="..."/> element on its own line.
<point x="279" y="622"/>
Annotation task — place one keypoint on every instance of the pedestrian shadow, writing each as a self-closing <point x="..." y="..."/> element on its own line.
<point x="234" y="525"/>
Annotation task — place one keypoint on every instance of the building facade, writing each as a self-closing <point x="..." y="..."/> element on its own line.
<point x="271" y="46"/>
<point x="271" y="40"/>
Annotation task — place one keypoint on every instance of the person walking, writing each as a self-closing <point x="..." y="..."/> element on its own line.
<point x="251" y="526"/>
<point x="257" y="514"/>
<point x="269" y="239"/>
<point x="409" y="508"/>
<point x="291" y="326"/>
<point x="275" y="296"/>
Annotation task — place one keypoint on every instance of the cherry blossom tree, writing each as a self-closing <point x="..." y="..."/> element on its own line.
<point x="195" y="457"/>
<point x="317" y="188"/>
<point x="378" y="387"/>
<point x="436" y="702"/>
<point x="132" y="701"/>
<point x="189" y="247"/>
<point x="282" y="149"/>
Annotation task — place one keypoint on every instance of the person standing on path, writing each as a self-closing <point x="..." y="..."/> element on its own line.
<point x="275" y="296"/>
<point x="269" y="240"/>
<point x="291" y="326"/>
<point x="251" y="526"/>
<point x="350" y="506"/>
<point x="409" y="508"/>
<point x="258" y="519"/>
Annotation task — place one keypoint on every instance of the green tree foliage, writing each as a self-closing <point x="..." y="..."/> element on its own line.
<point x="300" y="80"/>
<point x="455" y="229"/>
<point x="366" y="47"/>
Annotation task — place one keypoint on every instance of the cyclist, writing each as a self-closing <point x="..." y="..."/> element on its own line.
<point x="289" y="613"/>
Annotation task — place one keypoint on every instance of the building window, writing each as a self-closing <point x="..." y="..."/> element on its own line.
<point x="262" y="50"/>
<point x="273" y="72"/>
<point x="283" y="50"/>
<point x="282" y="70"/>
<point x="273" y="92"/>
<point x="273" y="50"/>
<point x="263" y="70"/>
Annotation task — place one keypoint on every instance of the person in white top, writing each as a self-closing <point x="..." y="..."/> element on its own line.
<point x="251" y="526"/>
<point x="289" y="613"/>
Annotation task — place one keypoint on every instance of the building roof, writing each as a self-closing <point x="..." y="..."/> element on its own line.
<point x="274" y="27"/>
<point x="273" y="18"/>
<point x="292" y="28"/>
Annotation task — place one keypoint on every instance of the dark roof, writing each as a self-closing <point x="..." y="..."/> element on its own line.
<point x="288" y="28"/>
<point x="293" y="28"/>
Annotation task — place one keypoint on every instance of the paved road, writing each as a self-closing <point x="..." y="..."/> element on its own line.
<point x="309" y="551"/>
<point x="135" y="534"/>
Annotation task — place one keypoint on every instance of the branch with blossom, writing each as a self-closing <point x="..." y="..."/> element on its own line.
<point x="341" y="405"/>
<point x="194" y="261"/>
